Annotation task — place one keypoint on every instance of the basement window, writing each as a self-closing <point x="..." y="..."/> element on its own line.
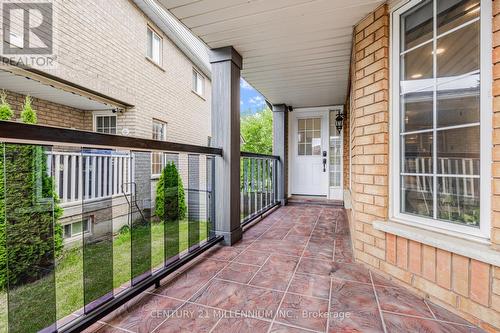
<point x="441" y="114"/>
<point x="77" y="228"/>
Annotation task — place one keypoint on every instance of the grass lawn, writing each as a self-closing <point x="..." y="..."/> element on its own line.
<point x="32" y="307"/>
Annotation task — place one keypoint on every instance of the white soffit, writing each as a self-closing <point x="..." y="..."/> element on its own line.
<point x="294" y="51"/>
<point x="28" y="86"/>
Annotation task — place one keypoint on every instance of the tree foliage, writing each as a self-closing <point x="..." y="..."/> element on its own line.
<point x="170" y="204"/>
<point x="29" y="210"/>
<point x="257" y="132"/>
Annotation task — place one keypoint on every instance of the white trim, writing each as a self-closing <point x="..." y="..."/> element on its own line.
<point x="96" y="114"/>
<point x="194" y="84"/>
<point x="305" y="113"/>
<point x="483" y="232"/>
<point x="342" y="150"/>
<point x="160" y="47"/>
<point x="480" y="251"/>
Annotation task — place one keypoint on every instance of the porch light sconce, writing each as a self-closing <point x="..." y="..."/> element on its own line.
<point x="339" y="121"/>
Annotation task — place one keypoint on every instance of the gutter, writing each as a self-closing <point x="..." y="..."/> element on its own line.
<point x="190" y="45"/>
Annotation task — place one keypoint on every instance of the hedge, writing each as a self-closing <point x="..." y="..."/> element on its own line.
<point x="31" y="208"/>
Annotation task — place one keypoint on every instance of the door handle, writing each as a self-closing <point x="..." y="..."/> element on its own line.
<point x="324" y="160"/>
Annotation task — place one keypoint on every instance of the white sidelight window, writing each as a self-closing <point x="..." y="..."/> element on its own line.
<point x="154" y="46"/>
<point x="158" y="158"/>
<point x="104" y="123"/>
<point x="198" y="83"/>
<point x="441" y="112"/>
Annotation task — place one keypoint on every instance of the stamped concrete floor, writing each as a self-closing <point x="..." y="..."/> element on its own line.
<point x="292" y="272"/>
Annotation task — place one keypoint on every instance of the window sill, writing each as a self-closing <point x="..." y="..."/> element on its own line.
<point x="467" y="248"/>
<point x="200" y="96"/>
<point x="155" y="64"/>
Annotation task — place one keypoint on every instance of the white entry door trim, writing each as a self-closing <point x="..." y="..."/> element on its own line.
<point x="307" y="175"/>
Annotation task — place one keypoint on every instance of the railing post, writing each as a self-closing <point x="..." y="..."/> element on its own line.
<point x="226" y="67"/>
<point x="280" y="146"/>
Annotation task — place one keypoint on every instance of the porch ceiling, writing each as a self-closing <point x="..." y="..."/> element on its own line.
<point x="294" y="51"/>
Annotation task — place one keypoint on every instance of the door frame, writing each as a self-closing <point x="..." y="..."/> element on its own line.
<point x="292" y="140"/>
<point x="342" y="150"/>
<point x="311" y="111"/>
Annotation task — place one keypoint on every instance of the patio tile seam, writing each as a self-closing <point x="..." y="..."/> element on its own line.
<point x="242" y="315"/>
<point x="288" y="255"/>
<point x="360" y="282"/>
<point x="207" y="283"/>
<point x="271" y="289"/>
<point x="296" y="268"/>
<point x="215" y="325"/>
<point x="428" y="307"/>
<point x="116" y="327"/>
<point x="428" y="318"/>
<point x="334" y="249"/>
<point x="329" y="304"/>
<point x="378" y="303"/>
<point x="255" y="274"/>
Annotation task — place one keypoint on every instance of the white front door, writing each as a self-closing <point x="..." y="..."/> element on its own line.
<point x="310" y="152"/>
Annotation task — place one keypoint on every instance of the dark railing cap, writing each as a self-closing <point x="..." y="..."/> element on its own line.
<point x="14" y="132"/>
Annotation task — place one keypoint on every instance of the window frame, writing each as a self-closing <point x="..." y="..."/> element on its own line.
<point x="160" y="51"/>
<point x="95" y="115"/>
<point x="88" y="219"/>
<point x="163" y="160"/>
<point x="195" y="85"/>
<point x="483" y="232"/>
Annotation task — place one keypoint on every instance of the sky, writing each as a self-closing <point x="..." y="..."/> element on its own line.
<point x="251" y="100"/>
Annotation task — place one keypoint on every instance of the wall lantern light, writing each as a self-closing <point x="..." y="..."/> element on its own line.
<point x="339" y="121"/>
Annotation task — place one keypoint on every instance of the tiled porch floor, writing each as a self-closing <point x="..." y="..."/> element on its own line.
<point x="287" y="274"/>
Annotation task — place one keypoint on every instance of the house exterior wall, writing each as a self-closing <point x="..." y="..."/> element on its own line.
<point x="52" y="114"/>
<point x="466" y="286"/>
<point x="102" y="44"/>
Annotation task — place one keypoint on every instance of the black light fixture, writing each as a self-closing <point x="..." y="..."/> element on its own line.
<point x="339" y="121"/>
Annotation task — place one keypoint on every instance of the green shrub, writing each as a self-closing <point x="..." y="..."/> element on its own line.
<point x="31" y="207"/>
<point x="170" y="201"/>
<point x="5" y="109"/>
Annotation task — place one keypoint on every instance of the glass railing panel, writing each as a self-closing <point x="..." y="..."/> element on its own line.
<point x="29" y="239"/>
<point x="99" y="222"/>
<point x="140" y="216"/>
<point x="194" y="193"/>
<point x="98" y="243"/>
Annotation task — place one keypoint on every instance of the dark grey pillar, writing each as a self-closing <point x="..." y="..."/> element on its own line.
<point x="226" y="67"/>
<point x="280" y="148"/>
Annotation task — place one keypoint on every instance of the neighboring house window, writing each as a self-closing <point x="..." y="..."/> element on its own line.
<point x="158" y="158"/>
<point x="154" y="46"/>
<point x="105" y="124"/>
<point x="77" y="228"/>
<point x="440" y="111"/>
<point x="198" y="83"/>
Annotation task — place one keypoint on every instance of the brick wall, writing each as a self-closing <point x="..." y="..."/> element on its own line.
<point x="52" y="114"/>
<point x="465" y="286"/>
<point x="496" y="124"/>
<point x="101" y="45"/>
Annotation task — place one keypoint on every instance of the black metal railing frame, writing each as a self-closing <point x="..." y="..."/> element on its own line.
<point x="18" y="133"/>
<point x="258" y="172"/>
